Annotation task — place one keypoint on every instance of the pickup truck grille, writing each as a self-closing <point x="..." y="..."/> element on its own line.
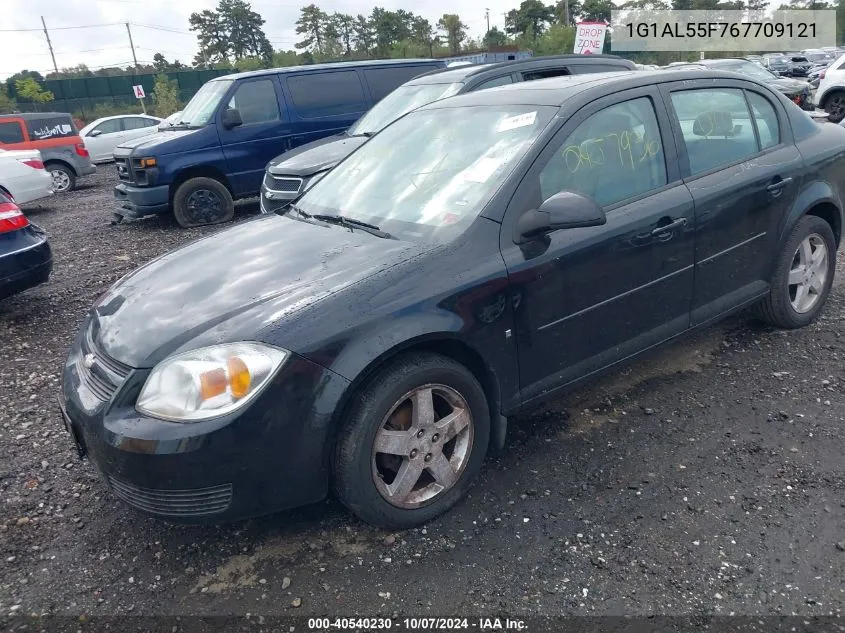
<point x="124" y="171"/>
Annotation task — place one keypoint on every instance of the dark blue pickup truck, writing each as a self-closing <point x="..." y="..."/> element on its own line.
<point x="219" y="148"/>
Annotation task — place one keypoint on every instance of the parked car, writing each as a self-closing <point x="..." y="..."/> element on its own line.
<point x="795" y="90"/>
<point x="799" y="65"/>
<point x="375" y="336"/>
<point x="23" y="177"/>
<point x="289" y="174"/>
<point x="235" y="124"/>
<point x="54" y="135"/>
<point x="778" y="63"/>
<point x="25" y="256"/>
<point x="103" y="135"/>
<point x="830" y="95"/>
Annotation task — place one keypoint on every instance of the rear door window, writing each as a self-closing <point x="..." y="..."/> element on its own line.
<point x="41" y="129"/>
<point x="545" y="73"/>
<point x="11" y="132"/>
<point x="138" y="122"/>
<point x="504" y="80"/>
<point x="383" y="81"/>
<point x="326" y="94"/>
<point x="256" y="101"/>
<point x="108" y="127"/>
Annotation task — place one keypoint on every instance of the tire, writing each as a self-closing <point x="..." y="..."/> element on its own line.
<point x="783" y="307"/>
<point x="834" y="105"/>
<point x="64" y="178"/>
<point x="202" y="201"/>
<point x="363" y="476"/>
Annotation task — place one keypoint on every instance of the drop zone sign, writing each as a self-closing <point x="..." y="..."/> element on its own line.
<point x="589" y="37"/>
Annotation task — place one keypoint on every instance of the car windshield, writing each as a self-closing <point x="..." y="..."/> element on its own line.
<point x="755" y="71"/>
<point x="432" y="172"/>
<point x="399" y="102"/>
<point x="203" y="105"/>
<point x="817" y="57"/>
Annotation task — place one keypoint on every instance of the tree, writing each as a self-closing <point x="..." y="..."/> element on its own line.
<point x="531" y="14"/>
<point x="312" y="25"/>
<point x="30" y="90"/>
<point x="161" y="65"/>
<point x="495" y="37"/>
<point x="166" y="99"/>
<point x="233" y="30"/>
<point x="570" y="8"/>
<point x="364" y="36"/>
<point x="24" y="74"/>
<point x="344" y="25"/>
<point x="424" y="33"/>
<point x="597" y="10"/>
<point x="7" y="104"/>
<point x="454" y="31"/>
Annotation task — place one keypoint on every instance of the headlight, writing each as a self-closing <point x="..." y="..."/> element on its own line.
<point x="208" y="382"/>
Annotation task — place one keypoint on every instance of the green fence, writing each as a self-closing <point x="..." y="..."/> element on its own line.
<point x="84" y="94"/>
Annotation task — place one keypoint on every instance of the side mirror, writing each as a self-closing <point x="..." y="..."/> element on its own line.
<point x="232" y="118"/>
<point x="564" y="210"/>
<point x="95" y="133"/>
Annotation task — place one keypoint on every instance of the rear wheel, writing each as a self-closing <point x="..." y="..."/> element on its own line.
<point x="803" y="275"/>
<point x="834" y="105"/>
<point x="64" y="178"/>
<point x="201" y="201"/>
<point x="414" y="439"/>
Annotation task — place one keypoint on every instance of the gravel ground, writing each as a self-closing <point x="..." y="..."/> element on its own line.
<point x="705" y="479"/>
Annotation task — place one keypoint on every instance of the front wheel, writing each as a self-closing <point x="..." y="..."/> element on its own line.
<point x="414" y="439"/>
<point x="64" y="178"/>
<point x="201" y="201"/>
<point x="803" y="275"/>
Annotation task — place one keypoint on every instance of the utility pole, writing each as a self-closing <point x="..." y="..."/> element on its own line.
<point x="49" y="45"/>
<point x="132" y="46"/>
<point x="487" y="16"/>
<point x="566" y="12"/>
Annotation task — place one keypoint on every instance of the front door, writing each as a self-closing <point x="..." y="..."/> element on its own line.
<point x="743" y="171"/>
<point x="588" y="297"/>
<point x="261" y="137"/>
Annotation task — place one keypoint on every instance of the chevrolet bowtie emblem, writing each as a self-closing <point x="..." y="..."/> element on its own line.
<point x="88" y="361"/>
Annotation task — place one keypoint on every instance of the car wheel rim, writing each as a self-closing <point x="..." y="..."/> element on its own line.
<point x="61" y="180"/>
<point x="204" y="205"/>
<point x="422" y="446"/>
<point x="808" y="273"/>
<point x="837" y="105"/>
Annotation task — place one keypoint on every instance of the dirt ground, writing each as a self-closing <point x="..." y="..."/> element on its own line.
<point x="705" y="479"/>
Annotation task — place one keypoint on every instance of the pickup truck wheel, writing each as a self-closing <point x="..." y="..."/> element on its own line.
<point x="834" y="105"/>
<point x="201" y="201"/>
<point x="64" y="179"/>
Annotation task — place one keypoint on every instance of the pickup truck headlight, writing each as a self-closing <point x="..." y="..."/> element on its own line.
<point x="209" y="382"/>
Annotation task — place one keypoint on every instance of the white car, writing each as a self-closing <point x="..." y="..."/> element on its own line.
<point x="22" y="175"/>
<point x="103" y="135"/>
<point x="830" y="95"/>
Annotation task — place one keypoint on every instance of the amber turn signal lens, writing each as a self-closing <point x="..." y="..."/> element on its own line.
<point x="148" y="162"/>
<point x="239" y="378"/>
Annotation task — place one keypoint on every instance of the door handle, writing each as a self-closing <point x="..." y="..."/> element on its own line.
<point x="776" y="187"/>
<point x="674" y="224"/>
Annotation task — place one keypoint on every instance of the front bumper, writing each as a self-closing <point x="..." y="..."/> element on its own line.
<point x="270" y="456"/>
<point x="141" y="201"/>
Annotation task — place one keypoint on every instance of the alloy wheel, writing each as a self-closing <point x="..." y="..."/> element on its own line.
<point x="61" y="180"/>
<point x="808" y="273"/>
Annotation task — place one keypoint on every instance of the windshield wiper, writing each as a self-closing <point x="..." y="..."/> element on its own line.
<point x="293" y="207"/>
<point x="351" y="223"/>
<point x="364" y="134"/>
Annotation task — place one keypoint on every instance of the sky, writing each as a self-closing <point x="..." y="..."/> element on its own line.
<point x="109" y="45"/>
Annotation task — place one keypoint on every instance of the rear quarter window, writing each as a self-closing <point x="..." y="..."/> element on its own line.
<point x="383" y="81"/>
<point x="41" y="129"/>
<point x="327" y="94"/>
<point x="11" y="132"/>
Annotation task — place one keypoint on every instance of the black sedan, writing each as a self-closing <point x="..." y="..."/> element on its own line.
<point x="472" y="260"/>
<point x="25" y="256"/>
<point x="796" y="90"/>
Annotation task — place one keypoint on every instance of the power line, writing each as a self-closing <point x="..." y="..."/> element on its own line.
<point x="62" y="28"/>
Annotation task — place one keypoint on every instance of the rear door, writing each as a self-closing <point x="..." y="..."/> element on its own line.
<point x="261" y="137"/>
<point x="101" y="140"/>
<point x="739" y="162"/>
<point x="324" y="103"/>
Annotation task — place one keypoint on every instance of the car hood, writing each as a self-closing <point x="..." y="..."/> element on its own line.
<point x="788" y="86"/>
<point x="314" y="157"/>
<point x="156" y="141"/>
<point x="234" y="284"/>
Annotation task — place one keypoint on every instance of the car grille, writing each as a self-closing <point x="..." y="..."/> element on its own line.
<point x="101" y="374"/>
<point x="194" y="502"/>
<point x="124" y="172"/>
<point x="285" y="184"/>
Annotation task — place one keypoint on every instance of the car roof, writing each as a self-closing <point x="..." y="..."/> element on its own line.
<point x="449" y="75"/>
<point x="364" y="63"/>
<point x="557" y="90"/>
<point x="34" y="116"/>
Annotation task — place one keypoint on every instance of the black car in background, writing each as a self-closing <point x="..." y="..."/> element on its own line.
<point x="474" y="259"/>
<point x="25" y="256"/>
<point x="799" y="65"/>
<point x="778" y="63"/>
<point x="289" y="174"/>
<point x="795" y="90"/>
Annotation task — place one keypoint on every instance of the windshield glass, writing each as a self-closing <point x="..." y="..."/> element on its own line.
<point x="746" y="68"/>
<point x="202" y="106"/>
<point x="432" y="171"/>
<point x="400" y="101"/>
